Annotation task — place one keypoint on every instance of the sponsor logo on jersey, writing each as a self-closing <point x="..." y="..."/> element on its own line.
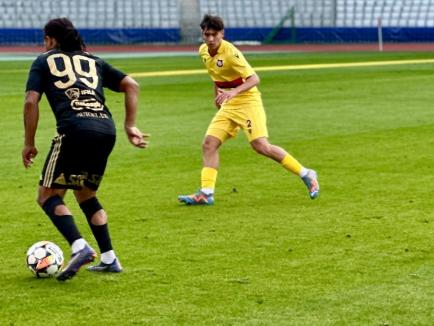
<point x="90" y="104"/>
<point x="79" y="104"/>
<point x="98" y="115"/>
<point x="77" y="180"/>
<point x="72" y="93"/>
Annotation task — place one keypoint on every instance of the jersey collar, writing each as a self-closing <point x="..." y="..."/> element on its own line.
<point x="220" y="50"/>
<point x="222" y="47"/>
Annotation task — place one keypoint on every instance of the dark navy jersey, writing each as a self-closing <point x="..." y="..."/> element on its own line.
<point x="73" y="83"/>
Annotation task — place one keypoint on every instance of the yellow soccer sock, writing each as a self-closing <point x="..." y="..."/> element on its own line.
<point x="291" y="164"/>
<point x="208" y="178"/>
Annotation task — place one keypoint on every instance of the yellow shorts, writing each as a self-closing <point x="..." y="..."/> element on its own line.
<point x="248" y="115"/>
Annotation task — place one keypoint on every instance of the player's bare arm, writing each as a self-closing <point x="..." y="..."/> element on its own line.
<point x="31" y="118"/>
<point x="226" y="95"/>
<point x="216" y="93"/>
<point x="131" y="89"/>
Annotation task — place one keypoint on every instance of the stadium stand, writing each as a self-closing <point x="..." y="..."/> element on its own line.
<point x="101" y="21"/>
<point x="326" y="20"/>
<point x="90" y="14"/>
<point x="324" y="13"/>
<point x="174" y="21"/>
<point x="365" y="13"/>
<point x="263" y="13"/>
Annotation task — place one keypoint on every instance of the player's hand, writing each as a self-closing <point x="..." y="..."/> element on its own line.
<point x="223" y="96"/>
<point x="137" y="138"/>
<point x="28" y="154"/>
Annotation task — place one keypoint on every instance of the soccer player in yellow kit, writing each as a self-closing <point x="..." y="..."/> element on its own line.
<point x="240" y="106"/>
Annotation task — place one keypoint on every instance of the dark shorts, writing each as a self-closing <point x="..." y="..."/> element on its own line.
<point x="77" y="160"/>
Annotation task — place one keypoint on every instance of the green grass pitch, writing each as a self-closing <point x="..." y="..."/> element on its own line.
<point x="265" y="254"/>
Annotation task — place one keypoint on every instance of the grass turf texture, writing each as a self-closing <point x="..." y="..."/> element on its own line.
<point x="265" y="254"/>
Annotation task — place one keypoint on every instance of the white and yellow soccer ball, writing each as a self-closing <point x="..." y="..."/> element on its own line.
<point x="44" y="259"/>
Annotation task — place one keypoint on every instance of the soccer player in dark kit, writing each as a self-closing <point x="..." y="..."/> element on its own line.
<point x="73" y="82"/>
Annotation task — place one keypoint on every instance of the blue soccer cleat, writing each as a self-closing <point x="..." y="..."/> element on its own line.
<point x="198" y="198"/>
<point x="80" y="258"/>
<point x="114" y="267"/>
<point x="311" y="182"/>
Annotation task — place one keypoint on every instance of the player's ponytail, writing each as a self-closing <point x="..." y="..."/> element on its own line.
<point x="66" y="35"/>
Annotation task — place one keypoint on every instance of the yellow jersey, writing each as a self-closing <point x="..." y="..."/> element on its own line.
<point x="228" y="68"/>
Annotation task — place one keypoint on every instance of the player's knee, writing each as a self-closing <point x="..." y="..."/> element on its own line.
<point x="90" y="207"/>
<point x="261" y="148"/>
<point x="49" y="204"/>
<point x="209" y="146"/>
<point x="43" y="198"/>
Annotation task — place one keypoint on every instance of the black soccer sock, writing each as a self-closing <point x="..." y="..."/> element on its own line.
<point x="64" y="223"/>
<point x="100" y="232"/>
<point x="102" y="236"/>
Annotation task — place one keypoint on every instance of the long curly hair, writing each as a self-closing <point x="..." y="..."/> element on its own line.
<point x="66" y="35"/>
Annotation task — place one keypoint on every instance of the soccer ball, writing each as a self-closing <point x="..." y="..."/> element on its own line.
<point x="44" y="259"/>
